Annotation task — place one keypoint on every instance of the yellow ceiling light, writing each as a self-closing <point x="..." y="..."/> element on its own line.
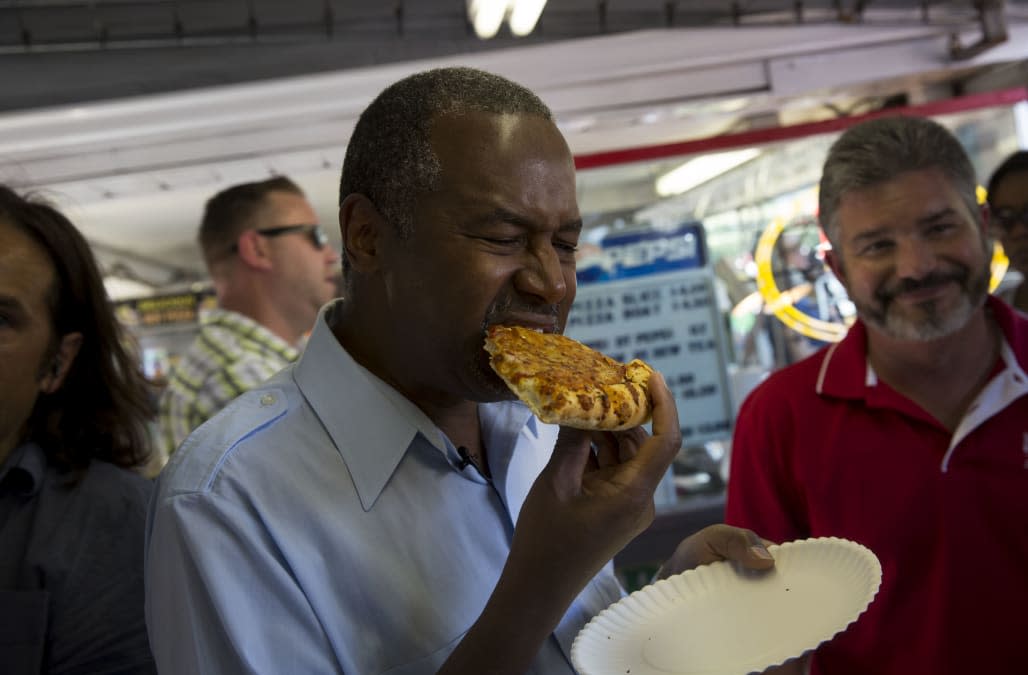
<point x="699" y="170"/>
<point x="487" y="16"/>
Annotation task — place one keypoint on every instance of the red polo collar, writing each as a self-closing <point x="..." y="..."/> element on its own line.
<point x="845" y="372"/>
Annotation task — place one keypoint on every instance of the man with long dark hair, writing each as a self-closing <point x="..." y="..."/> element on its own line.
<point x="73" y="425"/>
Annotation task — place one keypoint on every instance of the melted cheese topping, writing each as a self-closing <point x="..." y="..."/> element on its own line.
<point x="565" y="382"/>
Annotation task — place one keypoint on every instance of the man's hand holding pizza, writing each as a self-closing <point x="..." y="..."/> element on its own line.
<point x="582" y="509"/>
<point x="594" y="495"/>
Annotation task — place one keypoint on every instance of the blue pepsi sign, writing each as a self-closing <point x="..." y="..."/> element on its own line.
<point x="639" y="254"/>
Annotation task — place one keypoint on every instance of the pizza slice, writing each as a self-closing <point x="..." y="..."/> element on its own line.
<point x="565" y="382"/>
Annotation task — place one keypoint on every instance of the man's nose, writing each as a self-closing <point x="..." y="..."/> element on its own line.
<point x="914" y="259"/>
<point x="542" y="276"/>
<point x="331" y="254"/>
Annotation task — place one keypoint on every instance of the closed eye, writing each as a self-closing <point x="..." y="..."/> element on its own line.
<point x="876" y="247"/>
<point x="504" y="241"/>
<point x="938" y="228"/>
<point x="11" y="313"/>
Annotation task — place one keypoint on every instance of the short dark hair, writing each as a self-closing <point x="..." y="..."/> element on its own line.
<point x="1015" y="163"/>
<point x="103" y="408"/>
<point x="880" y="149"/>
<point x="234" y="210"/>
<point x="389" y="157"/>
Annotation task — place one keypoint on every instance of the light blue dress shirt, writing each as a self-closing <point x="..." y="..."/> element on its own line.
<point x="320" y="524"/>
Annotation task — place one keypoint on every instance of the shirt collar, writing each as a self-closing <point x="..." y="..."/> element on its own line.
<point x="376" y="415"/>
<point x="844" y="369"/>
<point x="244" y="326"/>
<point x="846" y="372"/>
<point x="23" y="472"/>
<point x="502" y="424"/>
<point x="373" y="415"/>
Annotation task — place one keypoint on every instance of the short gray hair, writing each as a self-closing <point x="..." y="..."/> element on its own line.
<point x="878" y="150"/>
<point x="389" y="157"/>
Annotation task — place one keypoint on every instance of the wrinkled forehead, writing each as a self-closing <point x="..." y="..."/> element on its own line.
<point x="907" y="199"/>
<point x="481" y="135"/>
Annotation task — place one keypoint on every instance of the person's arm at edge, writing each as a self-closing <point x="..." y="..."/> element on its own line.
<point x="105" y="584"/>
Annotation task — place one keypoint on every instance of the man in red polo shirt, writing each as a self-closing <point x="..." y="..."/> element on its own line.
<point x="909" y="436"/>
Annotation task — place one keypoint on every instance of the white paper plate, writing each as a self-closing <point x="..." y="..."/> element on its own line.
<point x="720" y="619"/>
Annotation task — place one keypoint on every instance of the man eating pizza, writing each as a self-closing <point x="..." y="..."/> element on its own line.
<point x="383" y="505"/>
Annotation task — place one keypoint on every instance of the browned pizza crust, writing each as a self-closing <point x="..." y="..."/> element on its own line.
<point x="565" y="382"/>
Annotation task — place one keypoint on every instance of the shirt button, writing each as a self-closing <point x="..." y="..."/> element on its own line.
<point x="267" y="399"/>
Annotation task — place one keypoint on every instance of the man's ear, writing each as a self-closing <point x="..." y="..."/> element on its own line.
<point x="835" y="264"/>
<point x="252" y="249"/>
<point x="360" y="225"/>
<point x="60" y="365"/>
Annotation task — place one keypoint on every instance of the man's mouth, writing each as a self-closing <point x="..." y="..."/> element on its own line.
<point x="511" y="311"/>
<point x="921" y="294"/>
<point x="536" y="322"/>
<point x="921" y="290"/>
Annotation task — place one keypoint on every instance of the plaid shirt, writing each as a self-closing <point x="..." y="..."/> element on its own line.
<point x="231" y="355"/>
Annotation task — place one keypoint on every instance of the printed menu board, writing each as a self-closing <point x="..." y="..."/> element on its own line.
<point x="650" y="295"/>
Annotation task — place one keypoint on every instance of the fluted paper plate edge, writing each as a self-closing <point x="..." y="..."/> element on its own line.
<point x="643" y="603"/>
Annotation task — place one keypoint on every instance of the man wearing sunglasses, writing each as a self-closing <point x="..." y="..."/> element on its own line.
<point x="272" y="268"/>
<point x="1008" y="202"/>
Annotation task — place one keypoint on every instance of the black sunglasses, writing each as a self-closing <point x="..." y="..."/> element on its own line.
<point x="1005" y="219"/>
<point x="317" y="235"/>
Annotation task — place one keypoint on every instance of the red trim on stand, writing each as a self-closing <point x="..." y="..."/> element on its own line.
<point x="990" y="99"/>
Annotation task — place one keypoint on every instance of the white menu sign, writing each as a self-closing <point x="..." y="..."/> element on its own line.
<point x="650" y="295"/>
